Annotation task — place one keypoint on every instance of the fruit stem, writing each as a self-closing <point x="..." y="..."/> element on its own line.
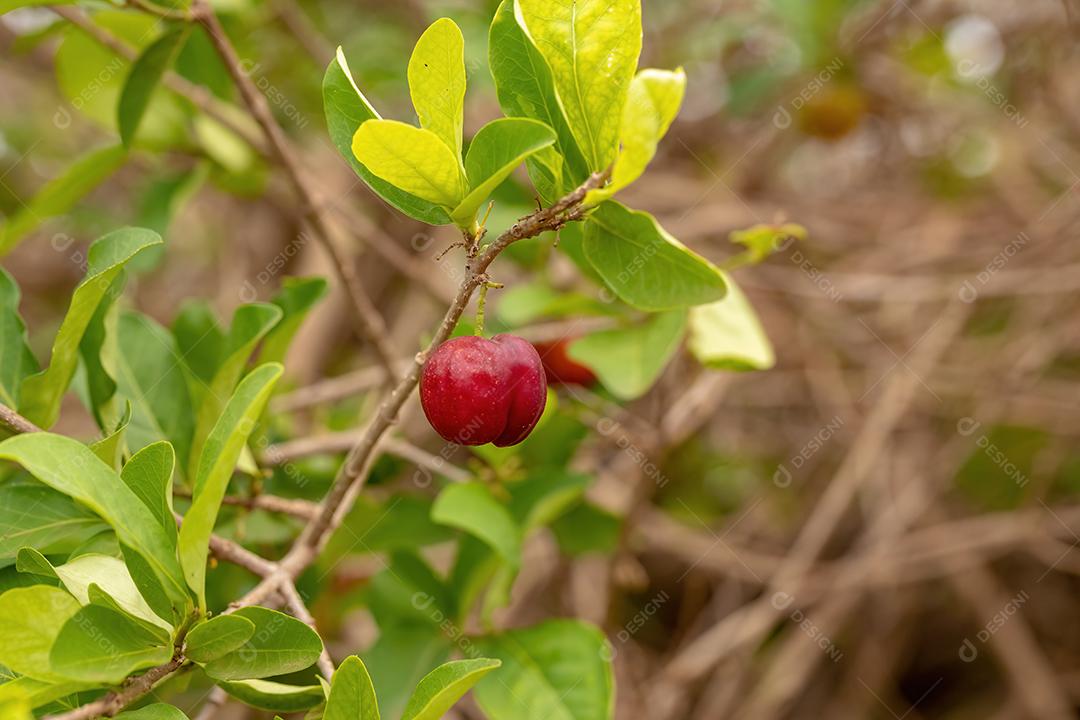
<point x="481" y="302"/>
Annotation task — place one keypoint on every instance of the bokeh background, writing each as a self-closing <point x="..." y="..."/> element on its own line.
<point x="883" y="525"/>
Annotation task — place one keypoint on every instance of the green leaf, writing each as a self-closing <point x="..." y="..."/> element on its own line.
<point x="652" y="104"/>
<point x="629" y="360"/>
<point x="155" y="711"/>
<point x="218" y="637"/>
<point x="587" y="529"/>
<point x="70" y="467"/>
<point x="149" y="474"/>
<point x="346" y="110"/>
<point x="409" y="591"/>
<point x="472" y="508"/>
<point x="275" y="696"/>
<point x="7" y="6"/>
<point x="539" y="499"/>
<point x="30" y="621"/>
<point x="444" y="686"/>
<point x="412" y="159"/>
<point x="99" y="644"/>
<point x="40" y="517"/>
<point x="37" y="692"/>
<point x="437" y="81"/>
<point x="553" y="671"/>
<point x="110" y="449"/>
<point x="216" y="464"/>
<point x="644" y="265"/>
<point x="401" y="657"/>
<point x="61" y="193"/>
<point x="98" y="349"/>
<point x="113" y="578"/>
<point x="592" y="48"/>
<point x="494" y="153"/>
<point x="149" y="374"/>
<point x="280" y="645"/>
<point x="525" y="89"/>
<point x="42" y="393"/>
<point x="16" y="359"/>
<point x="145" y="74"/>
<point x="201" y="343"/>
<point x="296" y="299"/>
<point x="727" y="334"/>
<point x="250" y="324"/>
<point x="31" y="561"/>
<point x="352" y="696"/>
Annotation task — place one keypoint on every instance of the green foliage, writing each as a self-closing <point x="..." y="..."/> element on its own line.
<point x="218" y="637"/>
<point x="143" y="78"/>
<point x="16" y="359"/>
<point x="30" y="621"/>
<point x="62" y="192"/>
<point x="472" y="508"/>
<point x="629" y="360"/>
<point x="351" y="695"/>
<point x="727" y="334"/>
<point x="280" y="645"/>
<point x="444" y="686"/>
<point x="41" y="393"/>
<point x="101" y="645"/>
<point x="413" y="159"/>
<point x="216" y="463"/>
<point x="40" y="517"/>
<point x="437" y="82"/>
<point x="644" y="265"/>
<point x="275" y="696"/>
<point x="553" y="670"/>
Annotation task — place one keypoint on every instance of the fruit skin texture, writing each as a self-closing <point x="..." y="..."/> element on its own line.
<point x="560" y="367"/>
<point x="475" y="391"/>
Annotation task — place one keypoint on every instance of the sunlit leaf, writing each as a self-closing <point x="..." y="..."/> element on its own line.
<point x="30" y="620"/>
<point x="412" y="159"/>
<point x="444" y="686"/>
<point x="437" y="82"/>
<point x="727" y="334"/>
<point x="352" y="696"/>
<point x="629" y="360"/>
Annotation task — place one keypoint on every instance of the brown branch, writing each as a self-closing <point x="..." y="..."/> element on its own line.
<point x="114" y="702"/>
<point x="369" y="322"/>
<point x="16" y="423"/>
<point x="296" y="606"/>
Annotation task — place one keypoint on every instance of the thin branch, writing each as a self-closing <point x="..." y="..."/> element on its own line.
<point x="369" y="322"/>
<point x="202" y="98"/>
<point x="114" y="702"/>
<point x="16" y="423"/>
<point x="296" y="507"/>
<point x="299" y="609"/>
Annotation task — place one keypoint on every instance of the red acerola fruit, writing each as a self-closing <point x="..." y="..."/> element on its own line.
<point x="476" y="391"/>
<point x="560" y="367"/>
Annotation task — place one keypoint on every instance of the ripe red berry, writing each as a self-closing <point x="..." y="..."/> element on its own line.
<point x="560" y="367"/>
<point x="476" y="391"/>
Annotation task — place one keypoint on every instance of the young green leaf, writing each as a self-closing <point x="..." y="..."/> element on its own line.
<point x="296" y="299"/>
<point x="557" y="669"/>
<point x="727" y="334"/>
<point x="592" y="48"/>
<point x="496" y="150"/>
<point x="29" y="560"/>
<point x="99" y="644"/>
<point x="437" y="82"/>
<point x="30" y="621"/>
<point x="41" y="393"/>
<point x="38" y="516"/>
<point x="217" y="637"/>
<point x="16" y="359"/>
<point x="72" y="468"/>
<point x="36" y="693"/>
<point x="525" y="88"/>
<point x="154" y="711"/>
<point x="346" y="110"/>
<point x="472" y="508"/>
<point x="280" y="645"/>
<point x="629" y="360"/>
<point x="145" y="74"/>
<point x="651" y="106"/>
<point x="112" y="577"/>
<point x="250" y="324"/>
<point x="275" y="696"/>
<point x="149" y="374"/>
<point x="412" y="159"/>
<point x="644" y="265"/>
<point x="111" y="448"/>
<point x="223" y="447"/>
<point x="352" y="696"/>
<point x="444" y="686"/>
<point x="149" y="474"/>
<point x="58" y="195"/>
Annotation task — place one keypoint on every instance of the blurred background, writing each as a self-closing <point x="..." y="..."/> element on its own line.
<point x="883" y="525"/>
